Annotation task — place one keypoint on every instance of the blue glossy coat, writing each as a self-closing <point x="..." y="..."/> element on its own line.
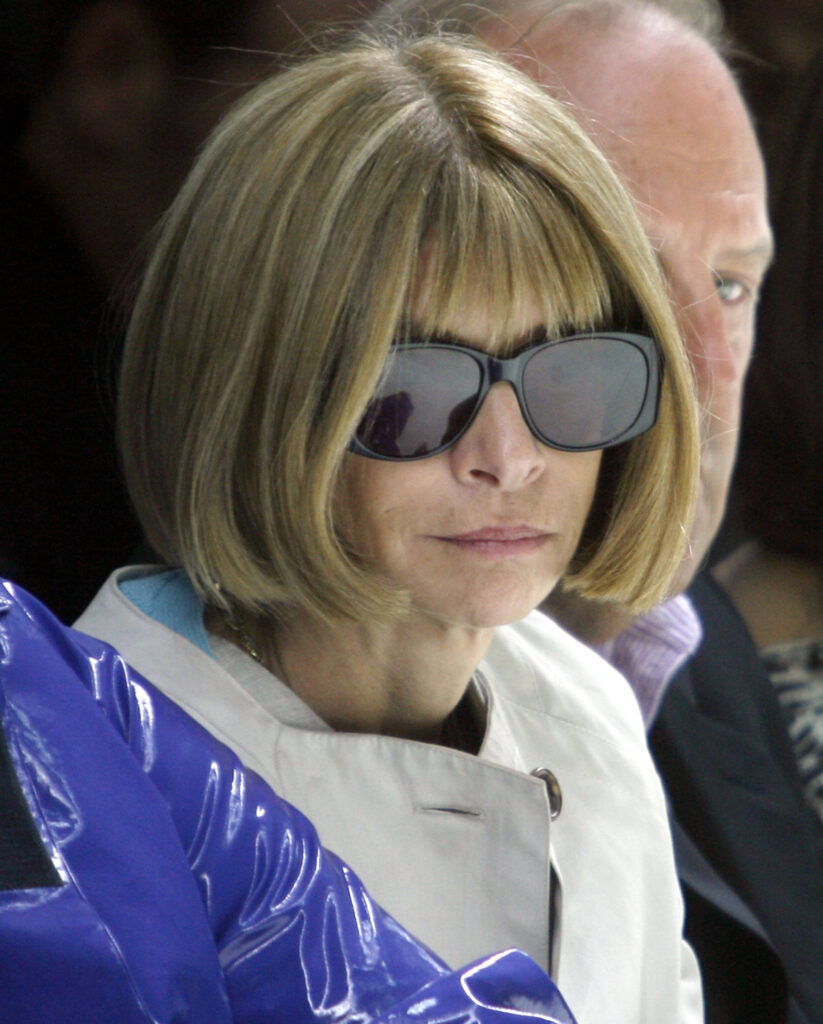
<point x="188" y="891"/>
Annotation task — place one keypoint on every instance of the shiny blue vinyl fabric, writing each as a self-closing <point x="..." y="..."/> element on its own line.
<point x="186" y="890"/>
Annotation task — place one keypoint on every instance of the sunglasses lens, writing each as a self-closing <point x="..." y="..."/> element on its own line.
<point x="424" y="399"/>
<point x="585" y="393"/>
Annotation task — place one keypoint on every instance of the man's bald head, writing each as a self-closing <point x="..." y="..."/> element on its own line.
<point x="477" y="17"/>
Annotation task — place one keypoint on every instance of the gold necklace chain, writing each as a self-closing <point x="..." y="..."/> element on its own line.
<point x="237" y="624"/>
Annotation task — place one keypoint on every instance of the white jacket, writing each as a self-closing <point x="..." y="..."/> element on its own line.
<point x="457" y="846"/>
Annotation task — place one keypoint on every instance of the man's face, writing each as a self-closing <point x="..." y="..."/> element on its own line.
<point x="666" y="111"/>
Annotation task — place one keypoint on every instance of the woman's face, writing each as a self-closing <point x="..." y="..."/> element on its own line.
<point x="479" y="534"/>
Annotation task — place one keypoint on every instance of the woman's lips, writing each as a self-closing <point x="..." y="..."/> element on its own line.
<point x="499" y="541"/>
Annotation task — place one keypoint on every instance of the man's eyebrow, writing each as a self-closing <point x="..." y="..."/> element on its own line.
<point x="763" y="252"/>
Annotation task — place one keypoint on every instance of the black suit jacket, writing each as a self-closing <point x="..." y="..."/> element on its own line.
<point x="749" y="849"/>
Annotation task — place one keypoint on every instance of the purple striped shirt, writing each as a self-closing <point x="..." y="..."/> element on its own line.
<point x="653" y="648"/>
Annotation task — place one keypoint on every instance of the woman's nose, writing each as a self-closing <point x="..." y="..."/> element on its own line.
<point x="498" y="449"/>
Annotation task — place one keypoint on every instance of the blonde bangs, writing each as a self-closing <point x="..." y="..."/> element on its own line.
<point x="510" y="243"/>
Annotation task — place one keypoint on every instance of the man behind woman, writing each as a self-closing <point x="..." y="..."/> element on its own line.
<point x="775" y="578"/>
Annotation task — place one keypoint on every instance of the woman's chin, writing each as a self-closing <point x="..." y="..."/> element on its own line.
<point x="488" y="610"/>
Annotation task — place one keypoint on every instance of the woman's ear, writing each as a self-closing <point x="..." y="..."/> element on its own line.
<point x="115" y="78"/>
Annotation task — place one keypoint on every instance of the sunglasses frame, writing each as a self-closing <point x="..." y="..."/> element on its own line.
<point x="495" y="369"/>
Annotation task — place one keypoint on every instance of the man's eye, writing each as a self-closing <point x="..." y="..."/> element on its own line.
<point x="730" y="289"/>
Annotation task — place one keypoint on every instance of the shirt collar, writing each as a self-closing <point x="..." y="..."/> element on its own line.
<point x="653" y="648"/>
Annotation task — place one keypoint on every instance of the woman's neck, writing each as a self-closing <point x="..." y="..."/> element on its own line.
<point x="779" y="596"/>
<point x="401" y="679"/>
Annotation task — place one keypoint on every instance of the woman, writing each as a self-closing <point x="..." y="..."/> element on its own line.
<point x="398" y="312"/>
<point x="776" y="577"/>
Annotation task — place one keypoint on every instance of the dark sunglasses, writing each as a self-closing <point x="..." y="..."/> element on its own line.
<point x="577" y="394"/>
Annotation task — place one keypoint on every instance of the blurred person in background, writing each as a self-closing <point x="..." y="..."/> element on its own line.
<point x="102" y="106"/>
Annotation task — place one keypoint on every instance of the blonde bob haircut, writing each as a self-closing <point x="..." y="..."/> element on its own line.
<point x="289" y="263"/>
